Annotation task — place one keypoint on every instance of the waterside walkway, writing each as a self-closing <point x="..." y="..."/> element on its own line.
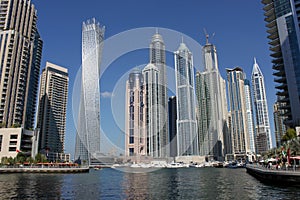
<point x="44" y="170"/>
<point x="274" y="175"/>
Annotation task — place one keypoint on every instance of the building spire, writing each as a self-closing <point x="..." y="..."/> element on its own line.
<point x="156" y="30"/>
<point x="255" y="61"/>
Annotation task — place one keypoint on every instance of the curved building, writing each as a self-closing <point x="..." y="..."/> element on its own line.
<point x="88" y="129"/>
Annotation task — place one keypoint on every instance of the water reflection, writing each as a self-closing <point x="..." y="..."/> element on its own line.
<point x="205" y="183"/>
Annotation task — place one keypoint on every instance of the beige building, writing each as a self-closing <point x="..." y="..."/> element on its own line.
<point x="135" y="138"/>
<point x="52" y="109"/>
<point x="20" y="57"/>
<point x="14" y="140"/>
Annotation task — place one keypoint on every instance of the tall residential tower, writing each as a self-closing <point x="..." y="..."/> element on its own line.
<point x="158" y="58"/>
<point x="53" y="99"/>
<point x="187" y="139"/>
<point x="238" y="115"/>
<point x="135" y="140"/>
<point x="282" y="22"/>
<point x="261" y="108"/>
<point x="88" y="130"/>
<point x="20" y="57"/>
<point x="151" y="90"/>
<point x="211" y="106"/>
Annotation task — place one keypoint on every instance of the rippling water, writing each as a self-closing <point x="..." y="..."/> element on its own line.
<point x="190" y="183"/>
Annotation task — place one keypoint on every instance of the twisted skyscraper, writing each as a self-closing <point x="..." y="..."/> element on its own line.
<point x="88" y="130"/>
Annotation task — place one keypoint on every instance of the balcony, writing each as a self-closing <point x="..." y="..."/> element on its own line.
<point x="281" y="86"/>
<point x="280" y="80"/>
<point x="279" y="73"/>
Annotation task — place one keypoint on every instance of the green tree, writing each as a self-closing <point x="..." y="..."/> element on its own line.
<point x="40" y="158"/>
<point x="290" y="134"/>
<point x="11" y="161"/>
<point x="4" y="161"/>
<point x="20" y="158"/>
<point x="30" y="160"/>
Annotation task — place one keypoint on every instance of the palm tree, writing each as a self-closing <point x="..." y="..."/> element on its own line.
<point x="290" y="134"/>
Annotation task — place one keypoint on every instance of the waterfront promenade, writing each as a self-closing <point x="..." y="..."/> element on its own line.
<point x="45" y="169"/>
<point x="289" y="175"/>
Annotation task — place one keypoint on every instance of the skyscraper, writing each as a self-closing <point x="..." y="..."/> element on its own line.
<point x="261" y="107"/>
<point x="280" y="128"/>
<point x="158" y="58"/>
<point x="20" y="57"/>
<point x="151" y="88"/>
<point x="136" y="139"/>
<point x="237" y="101"/>
<point x="88" y="130"/>
<point x="187" y="139"/>
<point x="250" y="120"/>
<point x="282" y="18"/>
<point x="53" y="99"/>
<point x="173" y="126"/>
<point x="211" y="105"/>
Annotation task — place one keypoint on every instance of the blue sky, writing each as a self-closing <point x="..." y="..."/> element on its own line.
<point x="239" y="27"/>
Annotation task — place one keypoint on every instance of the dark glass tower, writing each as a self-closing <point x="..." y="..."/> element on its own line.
<point x="282" y="18"/>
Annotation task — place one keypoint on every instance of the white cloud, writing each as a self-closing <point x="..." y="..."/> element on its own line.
<point x="106" y="94"/>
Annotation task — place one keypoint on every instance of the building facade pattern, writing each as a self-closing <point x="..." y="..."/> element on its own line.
<point x="282" y="22"/>
<point x="20" y="57"/>
<point x="52" y="110"/>
<point x="187" y="137"/>
<point x="261" y="106"/>
<point x="88" y="130"/>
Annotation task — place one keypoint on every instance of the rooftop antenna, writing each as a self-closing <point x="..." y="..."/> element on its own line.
<point x="182" y="39"/>
<point x="156" y="30"/>
<point x="207" y="35"/>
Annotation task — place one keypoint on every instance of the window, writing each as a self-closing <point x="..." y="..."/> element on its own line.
<point x="12" y="149"/>
<point x="131" y="140"/>
<point x="131" y="151"/>
<point x="13" y="136"/>
<point x="12" y="142"/>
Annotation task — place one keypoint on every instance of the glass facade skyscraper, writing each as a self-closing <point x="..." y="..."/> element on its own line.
<point x="261" y="107"/>
<point x="282" y="18"/>
<point x="187" y="139"/>
<point x="211" y="106"/>
<point x="238" y="115"/>
<point x="152" y="123"/>
<point x="158" y="58"/>
<point x="88" y="129"/>
<point x="250" y="119"/>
